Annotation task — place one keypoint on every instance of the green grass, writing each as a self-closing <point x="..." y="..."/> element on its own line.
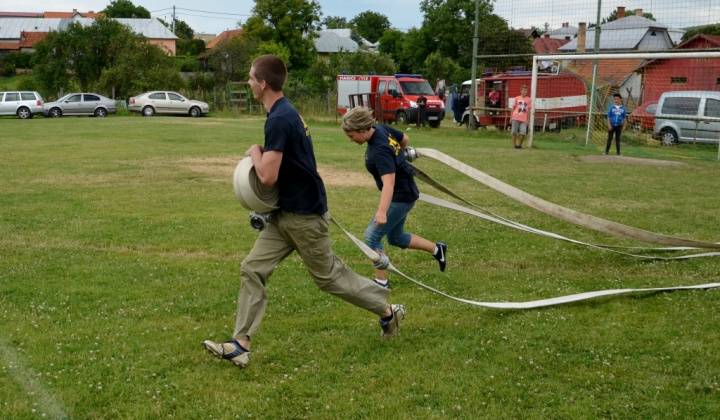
<point x="120" y="245"/>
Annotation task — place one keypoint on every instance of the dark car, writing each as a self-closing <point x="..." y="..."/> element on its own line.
<point x="643" y="117"/>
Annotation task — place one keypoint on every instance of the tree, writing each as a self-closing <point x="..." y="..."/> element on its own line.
<point x="391" y="43"/>
<point x="125" y="9"/>
<point x="370" y="25"/>
<point x="182" y="29"/>
<point x="231" y="59"/>
<point x="83" y="55"/>
<point x="437" y="67"/>
<point x="362" y="62"/>
<point x="335" y="22"/>
<point x="705" y="30"/>
<point x="286" y="23"/>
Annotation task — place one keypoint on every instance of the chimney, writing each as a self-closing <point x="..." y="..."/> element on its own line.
<point x="74" y="11"/>
<point x="621" y="12"/>
<point x="581" y="37"/>
<point x="638" y="12"/>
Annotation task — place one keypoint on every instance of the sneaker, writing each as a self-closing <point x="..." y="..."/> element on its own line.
<point x="391" y="327"/>
<point x="519" y="147"/>
<point x="386" y="285"/>
<point x="605" y="153"/>
<point x="619" y="154"/>
<point x="440" y="256"/>
<point x="230" y="350"/>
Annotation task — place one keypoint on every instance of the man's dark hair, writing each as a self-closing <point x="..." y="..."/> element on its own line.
<point x="617" y="95"/>
<point x="272" y="70"/>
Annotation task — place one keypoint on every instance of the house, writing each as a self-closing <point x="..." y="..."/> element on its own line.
<point x="73" y="14"/>
<point x="665" y="75"/>
<point x="548" y="45"/>
<point x="629" y="33"/>
<point x="16" y="33"/>
<point x="626" y="34"/>
<point x="529" y="33"/>
<point x="331" y="41"/>
<point x="224" y="36"/>
<point x="565" y="32"/>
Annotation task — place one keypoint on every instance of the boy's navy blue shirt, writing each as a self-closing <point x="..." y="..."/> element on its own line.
<point x="301" y="190"/>
<point x="383" y="156"/>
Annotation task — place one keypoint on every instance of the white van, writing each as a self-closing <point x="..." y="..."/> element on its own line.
<point x="688" y="117"/>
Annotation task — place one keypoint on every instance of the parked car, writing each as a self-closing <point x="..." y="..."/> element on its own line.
<point x="688" y="116"/>
<point x="24" y="104"/>
<point x="161" y="102"/>
<point x="81" y="104"/>
<point x="643" y="117"/>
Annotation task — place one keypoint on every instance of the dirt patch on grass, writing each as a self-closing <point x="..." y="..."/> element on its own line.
<point x="627" y="160"/>
<point x="224" y="166"/>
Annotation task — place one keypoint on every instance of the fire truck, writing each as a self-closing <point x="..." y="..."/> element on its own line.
<point x="392" y="98"/>
<point x="560" y="99"/>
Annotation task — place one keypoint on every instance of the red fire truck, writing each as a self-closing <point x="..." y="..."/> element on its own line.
<point x="560" y="99"/>
<point x="392" y="98"/>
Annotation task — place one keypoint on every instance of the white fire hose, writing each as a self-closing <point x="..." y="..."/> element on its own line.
<point x="259" y="199"/>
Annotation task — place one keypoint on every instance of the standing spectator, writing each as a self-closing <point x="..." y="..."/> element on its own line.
<point x="520" y="116"/>
<point x="385" y="160"/>
<point x="301" y="223"/>
<point x="617" y="121"/>
<point x="421" y="103"/>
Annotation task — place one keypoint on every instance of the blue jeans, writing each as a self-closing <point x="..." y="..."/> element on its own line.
<point x="393" y="229"/>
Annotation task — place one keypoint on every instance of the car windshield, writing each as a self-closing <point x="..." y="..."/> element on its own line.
<point x="414" y="88"/>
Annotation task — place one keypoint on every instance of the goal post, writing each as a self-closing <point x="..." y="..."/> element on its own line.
<point x="647" y="75"/>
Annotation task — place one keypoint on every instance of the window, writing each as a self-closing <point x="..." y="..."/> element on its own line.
<point x="381" y="86"/>
<point x="74" y="98"/>
<point x="678" y="80"/>
<point x="681" y="105"/>
<point x="12" y="97"/>
<point x="392" y="88"/>
<point x="174" y="97"/>
<point x="92" y="98"/>
<point x="28" y="96"/>
<point x="157" y="95"/>
<point x="2" y="94"/>
<point x="712" y="108"/>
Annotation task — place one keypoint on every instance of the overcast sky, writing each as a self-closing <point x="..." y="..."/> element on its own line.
<point x="219" y="15"/>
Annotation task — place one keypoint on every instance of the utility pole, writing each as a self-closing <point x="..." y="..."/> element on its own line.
<point x="473" y="72"/>
<point x="173" y="22"/>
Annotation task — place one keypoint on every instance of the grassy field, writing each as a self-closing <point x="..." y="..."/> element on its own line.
<point x="120" y="246"/>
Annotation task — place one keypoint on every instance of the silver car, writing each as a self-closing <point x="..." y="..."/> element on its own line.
<point x="687" y="117"/>
<point x="24" y="104"/>
<point x="81" y="104"/>
<point x="163" y="102"/>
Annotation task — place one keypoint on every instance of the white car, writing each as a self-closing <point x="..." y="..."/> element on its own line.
<point x="163" y="102"/>
<point x="24" y="104"/>
<point x="81" y="104"/>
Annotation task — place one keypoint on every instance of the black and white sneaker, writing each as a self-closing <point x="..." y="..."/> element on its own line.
<point x="386" y="285"/>
<point x="440" y="255"/>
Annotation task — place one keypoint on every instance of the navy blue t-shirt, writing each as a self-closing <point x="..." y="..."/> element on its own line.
<point x="301" y="189"/>
<point x="383" y="156"/>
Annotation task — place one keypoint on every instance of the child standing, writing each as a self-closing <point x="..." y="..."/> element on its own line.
<point x="520" y="116"/>
<point x="617" y="121"/>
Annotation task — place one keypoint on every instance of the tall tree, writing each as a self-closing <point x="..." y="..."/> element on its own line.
<point x="182" y="29"/>
<point x="371" y="25"/>
<point x="125" y="9"/>
<point x="82" y="55"/>
<point x="335" y="22"/>
<point x="286" y="22"/>
<point x="391" y="43"/>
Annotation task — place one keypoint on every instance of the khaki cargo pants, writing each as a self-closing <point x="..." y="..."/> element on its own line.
<point x="307" y="234"/>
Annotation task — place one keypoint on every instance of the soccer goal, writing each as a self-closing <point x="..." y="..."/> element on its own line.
<point x="640" y="79"/>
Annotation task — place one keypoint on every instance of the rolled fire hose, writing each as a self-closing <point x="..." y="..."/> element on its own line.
<point x="253" y="195"/>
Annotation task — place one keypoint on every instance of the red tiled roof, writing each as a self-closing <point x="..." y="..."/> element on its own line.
<point x="20" y="15"/>
<point x="547" y="45"/>
<point x="613" y="72"/>
<point x="27" y="40"/>
<point x="226" y="35"/>
<point x="60" y="15"/>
